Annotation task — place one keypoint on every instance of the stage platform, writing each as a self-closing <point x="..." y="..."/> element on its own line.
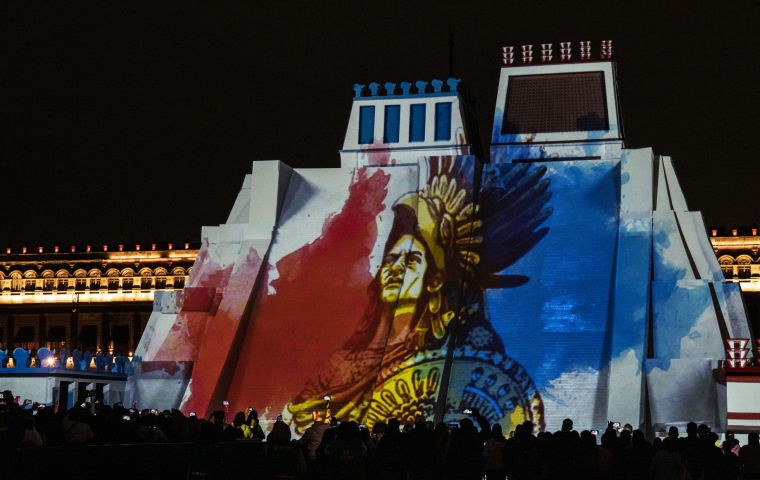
<point x="62" y="386"/>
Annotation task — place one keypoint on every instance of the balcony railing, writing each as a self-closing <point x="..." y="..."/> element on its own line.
<point x="741" y="272"/>
<point x="31" y="286"/>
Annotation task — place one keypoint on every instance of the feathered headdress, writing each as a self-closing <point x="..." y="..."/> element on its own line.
<point x="477" y="238"/>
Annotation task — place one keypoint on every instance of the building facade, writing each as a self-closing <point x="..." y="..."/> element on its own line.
<point x="738" y="253"/>
<point x="97" y="298"/>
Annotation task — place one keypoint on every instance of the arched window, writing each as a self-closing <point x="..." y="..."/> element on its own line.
<point x="94" y="275"/>
<point x="160" y="274"/>
<point x="80" y="282"/>
<point x="727" y="265"/>
<point x="30" y="281"/>
<point x="744" y="269"/>
<point x="62" y="283"/>
<point x="179" y="277"/>
<point x="146" y="279"/>
<point x="113" y="279"/>
<point x="127" y="279"/>
<point x="16" y="281"/>
<point x="48" y="280"/>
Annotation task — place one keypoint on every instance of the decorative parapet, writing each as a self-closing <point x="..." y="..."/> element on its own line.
<point x="567" y="52"/>
<point x="452" y="86"/>
<point x="107" y="271"/>
<point x="44" y="360"/>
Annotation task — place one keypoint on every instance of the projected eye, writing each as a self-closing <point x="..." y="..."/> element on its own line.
<point x="414" y="258"/>
<point x="391" y="258"/>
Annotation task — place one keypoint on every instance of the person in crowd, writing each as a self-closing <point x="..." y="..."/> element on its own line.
<point x="440" y="447"/>
<point x="147" y="429"/>
<point x="32" y="437"/>
<point x="667" y="463"/>
<point x="730" y="457"/>
<point x="606" y="452"/>
<point x="11" y="423"/>
<point x="418" y="450"/>
<point x="310" y="442"/>
<point x="283" y="456"/>
<point x="75" y="427"/>
<point x="493" y="454"/>
<point x="622" y="460"/>
<point x="587" y="456"/>
<point x="749" y="458"/>
<point x="692" y="450"/>
<point x="378" y="432"/>
<point x="564" y="443"/>
<point x="239" y="430"/>
<point x="641" y="455"/>
<point x="713" y="461"/>
<point x="390" y="457"/>
<point x="465" y="456"/>
<point x="346" y="455"/>
<point x="253" y="422"/>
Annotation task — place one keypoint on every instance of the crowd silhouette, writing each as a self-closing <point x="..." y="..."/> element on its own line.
<point x="470" y="449"/>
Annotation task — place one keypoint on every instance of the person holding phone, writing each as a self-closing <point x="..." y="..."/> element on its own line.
<point x="252" y="420"/>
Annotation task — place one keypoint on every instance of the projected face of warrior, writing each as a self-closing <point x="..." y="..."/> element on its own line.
<point x="403" y="271"/>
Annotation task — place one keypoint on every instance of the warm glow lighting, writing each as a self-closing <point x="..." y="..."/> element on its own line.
<point x="70" y="362"/>
<point x="49" y="362"/>
<point x="749" y="286"/>
<point x="92" y="364"/>
<point x="84" y="297"/>
<point x="10" y="363"/>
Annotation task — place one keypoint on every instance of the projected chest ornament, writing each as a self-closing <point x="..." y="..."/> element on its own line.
<point x="443" y="251"/>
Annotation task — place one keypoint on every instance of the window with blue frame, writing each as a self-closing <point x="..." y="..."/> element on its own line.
<point x="366" y="124"/>
<point x="443" y="121"/>
<point x="417" y="122"/>
<point x="392" y="120"/>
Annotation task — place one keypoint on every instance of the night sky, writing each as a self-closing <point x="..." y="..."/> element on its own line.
<point x="131" y="122"/>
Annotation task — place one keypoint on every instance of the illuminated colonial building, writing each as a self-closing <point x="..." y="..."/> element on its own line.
<point x="738" y="253"/>
<point x="93" y="297"/>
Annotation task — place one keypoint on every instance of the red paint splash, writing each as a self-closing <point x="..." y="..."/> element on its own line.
<point x="187" y="331"/>
<point x="221" y="330"/>
<point x="320" y="296"/>
<point x="380" y="158"/>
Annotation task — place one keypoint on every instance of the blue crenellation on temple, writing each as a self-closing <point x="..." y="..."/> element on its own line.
<point x="422" y="87"/>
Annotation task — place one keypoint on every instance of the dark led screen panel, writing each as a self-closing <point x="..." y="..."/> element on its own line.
<point x="565" y="102"/>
